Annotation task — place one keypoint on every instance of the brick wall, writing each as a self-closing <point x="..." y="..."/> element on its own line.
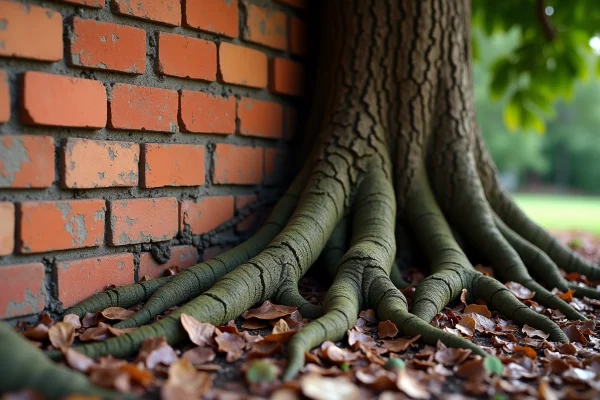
<point x="131" y="129"/>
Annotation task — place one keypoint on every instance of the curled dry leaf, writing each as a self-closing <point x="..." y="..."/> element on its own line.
<point x="408" y="384"/>
<point x="574" y="334"/>
<point x="38" y="332"/>
<point x="466" y="325"/>
<point x="463" y="296"/>
<point x="477" y="309"/>
<point x="520" y="291"/>
<point x="199" y="355"/>
<point x="46" y="319"/>
<point x="472" y="370"/>
<point x="336" y="355"/>
<point x="77" y="360"/>
<point x="450" y="356"/>
<point x="578" y="375"/>
<point x="357" y="337"/>
<point x="566" y="348"/>
<point x="264" y="349"/>
<point x="376" y="378"/>
<point x="269" y="311"/>
<point x="61" y="334"/>
<point x="532" y="332"/>
<point x="280" y="327"/>
<point x="200" y="333"/>
<point x="545" y="392"/>
<point x="483" y="324"/>
<point x="140" y="376"/>
<point x="120" y="331"/>
<point x="567" y="296"/>
<point x="368" y="315"/>
<point x="185" y="382"/>
<point x="110" y="377"/>
<point x="387" y="329"/>
<point x="117" y="313"/>
<point x="526" y="351"/>
<point x="231" y="344"/>
<point x="399" y="345"/>
<point x="156" y="351"/>
<point x="98" y="333"/>
<point x="254" y="323"/>
<point x="91" y="319"/>
<point x="73" y="320"/>
<point x="322" y="388"/>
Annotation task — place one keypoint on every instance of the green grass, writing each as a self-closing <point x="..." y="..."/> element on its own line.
<point x="561" y="212"/>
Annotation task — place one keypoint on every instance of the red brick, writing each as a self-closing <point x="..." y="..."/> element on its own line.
<point x="21" y="290"/>
<point x="205" y="215"/>
<point x="4" y="97"/>
<point x="298" y="36"/>
<point x="143" y="108"/>
<point x="250" y="221"/>
<point x="87" y="3"/>
<point x="31" y="32"/>
<point x="238" y="165"/>
<point x="265" y="26"/>
<point x="142" y="220"/>
<point x="7" y="228"/>
<point x="107" y="46"/>
<point x="205" y="113"/>
<point x="275" y="163"/>
<point x="181" y="256"/>
<point x="167" y="12"/>
<point x="287" y="77"/>
<point x="79" y="279"/>
<point x="186" y="57"/>
<point x="62" y="101"/>
<point x="214" y="251"/>
<point x="172" y="165"/>
<point x="240" y="65"/>
<point x="260" y="118"/>
<point x="294" y="3"/>
<point x="26" y="161"/>
<point x="215" y="16"/>
<point x="89" y="164"/>
<point x="60" y="225"/>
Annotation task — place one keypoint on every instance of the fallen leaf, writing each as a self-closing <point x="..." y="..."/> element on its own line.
<point x="38" y="332"/>
<point x="567" y="296"/>
<point x="336" y="355"/>
<point x="73" y="320"/>
<point x="269" y="311"/>
<point x="356" y="337"/>
<point x="376" y="378"/>
<point x="120" y="331"/>
<point x="61" y="334"/>
<point x="466" y="325"/>
<point x="526" y="351"/>
<point x="185" y="382"/>
<point x="156" y="351"/>
<point x="450" y="356"/>
<point x="264" y="349"/>
<point x="411" y="386"/>
<point x="574" y="334"/>
<point x="532" y="332"/>
<point x="483" y="324"/>
<point x="110" y="377"/>
<point x="399" y="345"/>
<point x="566" y="348"/>
<point x="520" y="291"/>
<point x="77" y="360"/>
<point x="477" y="309"/>
<point x="472" y="370"/>
<point x="545" y="392"/>
<point x="200" y="333"/>
<point x="117" y="313"/>
<point x="463" y="296"/>
<point x="98" y="333"/>
<point x="46" y="319"/>
<point x="199" y="355"/>
<point x="231" y="344"/>
<point x="280" y="327"/>
<point x="139" y="376"/>
<point x="91" y="319"/>
<point x="387" y="329"/>
<point x="323" y="388"/>
<point x="577" y="375"/>
<point x="254" y="323"/>
<point x="368" y="315"/>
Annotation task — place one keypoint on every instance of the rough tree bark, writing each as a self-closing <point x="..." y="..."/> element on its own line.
<point x="395" y="137"/>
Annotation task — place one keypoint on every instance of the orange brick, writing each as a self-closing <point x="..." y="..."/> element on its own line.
<point x="107" y="46"/>
<point x="172" y="165"/>
<point x="181" y="256"/>
<point x="237" y="164"/>
<point x="294" y="3"/>
<point x="265" y="26"/>
<point x="62" y="101"/>
<point x="60" y="225"/>
<point x="205" y="113"/>
<point x="4" y="97"/>
<point x="239" y="65"/>
<point x="142" y="220"/>
<point x="21" y="290"/>
<point x="287" y="77"/>
<point x="250" y="221"/>
<point x="275" y="162"/>
<point x="167" y="12"/>
<point x="143" y="108"/>
<point x="30" y="32"/>
<point x="260" y="118"/>
<point x="205" y="215"/>
<point x="216" y="16"/>
<point x="89" y="164"/>
<point x="186" y="57"/>
<point x="7" y="228"/>
<point x="298" y="36"/>
<point x="26" y="161"/>
<point x="79" y="279"/>
<point x="87" y="3"/>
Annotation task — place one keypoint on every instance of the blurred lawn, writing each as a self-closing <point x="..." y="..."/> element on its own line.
<point x="560" y="212"/>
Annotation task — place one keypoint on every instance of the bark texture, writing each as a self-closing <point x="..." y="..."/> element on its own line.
<point x="394" y="138"/>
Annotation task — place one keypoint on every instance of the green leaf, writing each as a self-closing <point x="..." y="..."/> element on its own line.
<point x="493" y="365"/>
<point x="395" y="364"/>
<point x="345" y="367"/>
<point x="512" y="115"/>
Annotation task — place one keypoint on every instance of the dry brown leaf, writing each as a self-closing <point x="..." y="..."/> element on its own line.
<point x="472" y="370"/>
<point x="410" y="386"/>
<point x="120" y="331"/>
<point x="479" y="309"/>
<point x="185" y="382"/>
<point x="356" y="337"/>
<point x="91" y="319"/>
<point x="264" y="349"/>
<point x="200" y="333"/>
<point x="61" y="334"/>
<point x="38" y="332"/>
<point x="280" y="327"/>
<point x="532" y="332"/>
<point x="230" y="327"/>
<point x="520" y="291"/>
<point x="46" y="319"/>
<point x="336" y="355"/>
<point x="73" y="320"/>
<point x="137" y="375"/>
<point x="322" y="388"/>
<point x="566" y="348"/>
<point x="450" y="356"/>
<point x="368" y="315"/>
<point x="117" y="313"/>
<point x="376" y="378"/>
<point x="387" y="329"/>
<point x="399" y="345"/>
<point x="199" y="355"/>
<point x="466" y="325"/>
<point x="269" y="311"/>
<point x="463" y="296"/>
<point x="110" y="377"/>
<point x="231" y="344"/>
<point x="254" y="323"/>
<point x="483" y="324"/>
<point x="99" y="333"/>
<point x="156" y="351"/>
<point x="578" y="375"/>
<point x="545" y="392"/>
<point x="526" y="351"/>
<point x="567" y="296"/>
<point x="77" y="360"/>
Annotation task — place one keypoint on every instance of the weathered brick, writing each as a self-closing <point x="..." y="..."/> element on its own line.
<point x="215" y="16"/>
<point x="294" y="3"/>
<point x="240" y="65"/>
<point x="62" y="101"/>
<point x="60" y="225"/>
<point x="81" y="278"/>
<point x="186" y="57"/>
<point x="26" y="161"/>
<point x="298" y="36"/>
<point x="265" y="26"/>
<point x="172" y="165"/>
<point x="89" y="164"/>
<point x="287" y="77"/>
<point x="275" y="162"/>
<point x="4" y="97"/>
<point x="143" y="108"/>
<point x="21" y="290"/>
<point x="167" y="12"/>
<point x="30" y="32"/>
<point x="205" y="113"/>
<point x="181" y="256"/>
<point x="112" y="47"/>
<point x="238" y="165"/>
<point x="7" y="228"/>
<point x="86" y="3"/>
<point x="142" y="220"/>
<point x="206" y="214"/>
<point x="260" y="118"/>
<point x="250" y="221"/>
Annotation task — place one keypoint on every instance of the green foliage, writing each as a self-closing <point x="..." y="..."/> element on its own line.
<point x="537" y="70"/>
<point x="493" y="365"/>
